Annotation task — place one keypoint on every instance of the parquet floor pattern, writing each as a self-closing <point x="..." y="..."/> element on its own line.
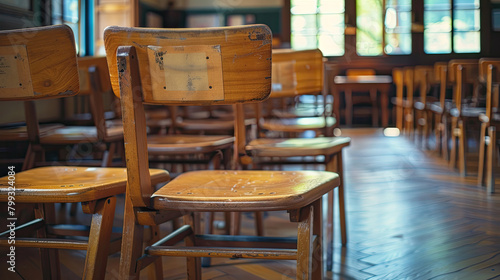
<point x="409" y="217"/>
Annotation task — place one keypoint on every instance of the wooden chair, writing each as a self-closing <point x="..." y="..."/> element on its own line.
<point x="440" y="109"/>
<point x="465" y="114"/>
<point x="95" y="93"/>
<point x="229" y="65"/>
<point x="351" y="100"/>
<point x="325" y="151"/>
<point x="43" y="65"/>
<point x="404" y="80"/>
<point x="103" y="139"/>
<point x="423" y="117"/>
<point x="489" y="74"/>
<point x="297" y="73"/>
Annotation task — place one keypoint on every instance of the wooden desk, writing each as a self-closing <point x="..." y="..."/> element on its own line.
<point x="371" y="84"/>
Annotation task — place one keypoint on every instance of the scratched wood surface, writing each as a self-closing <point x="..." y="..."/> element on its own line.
<point x="410" y="217"/>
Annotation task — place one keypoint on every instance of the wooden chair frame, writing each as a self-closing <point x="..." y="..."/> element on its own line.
<point x="144" y="208"/>
<point x="48" y="70"/>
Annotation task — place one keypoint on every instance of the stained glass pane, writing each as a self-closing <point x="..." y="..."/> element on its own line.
<point x="329" y="6"/>
<point x="466" y="42"/>
<point x="398" y="43"/>
<point x="331" y="44"/>
<point x="304" y="24"/>
<point x="369" y="27"/>
<point x="437" y="21"/>
<point x="332" y="23"/>
<point x="298" y="7"/>
<point x="436" y="43"/>
<point x="303" y="42"/>
<point x="466" y="20"/>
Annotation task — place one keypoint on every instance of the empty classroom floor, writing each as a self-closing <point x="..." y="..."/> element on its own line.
<point x="409" y="217"/>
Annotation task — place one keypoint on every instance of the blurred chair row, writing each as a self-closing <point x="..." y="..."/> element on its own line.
<point x="209" y="70"/>
<point x="458" y="100"/>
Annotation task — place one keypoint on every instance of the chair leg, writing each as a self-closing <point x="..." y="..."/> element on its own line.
<point x="444" y="137"/>
<point x="107" y="159"/>
<point x="156" y="270"/>
<point x="99" y="237"/>
<point x="304" y="237"/>
<point x="193" y="263"/>
<point x="453" y="148"/>
<point x="132" y="238"/>
<point x="317" y="254"/>
<point x="373" y="99"/>
<point x="259" y="223"/>
<point x="482" y="149"/>
<point x="49" y="258"/>
<point x="462" y="145"/>
<point x="399" y="117"/>
<point x="348" y="108"/>
<point x="492" y="158"/>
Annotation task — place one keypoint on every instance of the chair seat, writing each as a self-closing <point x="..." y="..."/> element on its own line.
<point x="20" y="133"/>
<point x="86" y="118"/>
<point x="298" y="147"/>
<point x="80" y="134"/>
<point x="468" y="112"/>
<point x="435" y="106"/>
<point x="298" y="124"/>
<point x="210" y="124"/>
<point x="187" y="144"/>
<point x="221" y="190"/>
<point x="304" y="111"/>
<point x="54" y="184"/>
<point x="404" y="103"/>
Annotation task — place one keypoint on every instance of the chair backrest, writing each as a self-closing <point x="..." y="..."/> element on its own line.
<point x="38" y="63"/>
<point x="489" y="73"/>
<point x="461" y="72"/>
<point x="397" y="80"/>
<point x="440" y="76"/>
<point x="175" y="68"/>
<point x="94" y="81"/>
<point x="227" y="65"/>
<point x="297" y="72"/>
<point x="359" y="72"/>
<point x="409" y="82"/>
<point x="422" y="75"/>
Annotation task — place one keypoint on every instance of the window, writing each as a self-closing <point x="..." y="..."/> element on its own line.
<point x="69" y="12"/>
<point x="369" y="27"/>
<point x="441" y="23"/>
<point x="318" y="24"/>
<point x="397" y="27"/>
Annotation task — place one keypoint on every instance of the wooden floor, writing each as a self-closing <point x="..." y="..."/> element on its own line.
<point x="409" y="217"/>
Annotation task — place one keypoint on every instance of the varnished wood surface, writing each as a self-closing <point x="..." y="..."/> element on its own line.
<point x="298" y="124"/>
<point x="20" y="133"/>
<point x="79" y="134"/>
<point x="187" y="144"/>
<point x="239" y="48"/>
<point x="210" y="124"/>
<point x="51" y="58"/>
<point x="221" y="190"/>
<point x="268" y="147"/>
<point x="410" y="217"/>
<point x="70" y="183"/>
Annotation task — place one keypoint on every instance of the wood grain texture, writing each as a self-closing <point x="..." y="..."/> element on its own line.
<point x="246" y="57"/>
<point x="70" y="184"/>
<point x="308" y="72"/>
<point x="297" y="147"/>
<point x="187" y="144"/>
<point x="244" y="190"/>
<point x="52" y="59"/>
